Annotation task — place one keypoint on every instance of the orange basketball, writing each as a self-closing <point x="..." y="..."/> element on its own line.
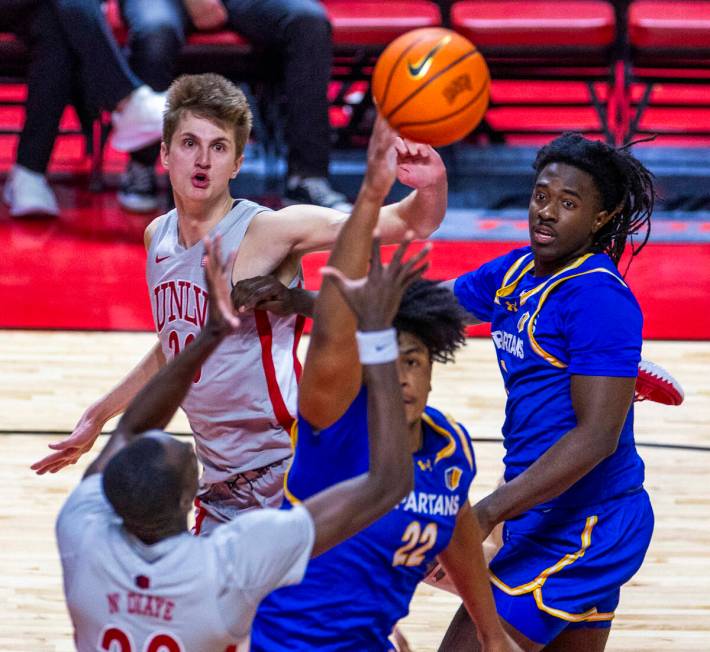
<point x="431" y="85"/>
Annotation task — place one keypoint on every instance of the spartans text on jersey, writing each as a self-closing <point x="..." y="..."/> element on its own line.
<point x="431" y="504"/>
<point x="508" y="342"/>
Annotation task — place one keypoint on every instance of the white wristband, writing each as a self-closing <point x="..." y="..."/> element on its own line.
<point x="377" y="347"/>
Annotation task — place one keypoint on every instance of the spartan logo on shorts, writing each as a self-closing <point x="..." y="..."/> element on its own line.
<point x="452" y="477"/>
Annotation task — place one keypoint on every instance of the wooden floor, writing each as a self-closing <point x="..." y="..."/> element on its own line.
<point x="48" y="379"/>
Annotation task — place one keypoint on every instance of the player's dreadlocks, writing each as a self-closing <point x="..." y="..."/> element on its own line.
<point x="431" y="312"/>
<point x="624" y="183"/>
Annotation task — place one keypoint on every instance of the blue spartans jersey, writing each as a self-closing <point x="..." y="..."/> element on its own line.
<point x="581" y="320"/>
<point x="562" y="564"/>
<point x="352" y="595"/>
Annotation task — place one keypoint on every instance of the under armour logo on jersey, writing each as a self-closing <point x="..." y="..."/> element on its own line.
<point x="452" y="477"/>
<point x="142" y="582"/>
<point x="424" y="465"/>
<point x="511" y="306"/>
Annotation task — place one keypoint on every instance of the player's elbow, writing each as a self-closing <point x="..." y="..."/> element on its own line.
<point x="606" y="441"/>
<point x="609" y="444"/>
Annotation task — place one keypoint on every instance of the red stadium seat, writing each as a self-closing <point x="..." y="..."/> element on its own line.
<point x="677" y="26"/>
<point x="537" y="26"/>
<point x="375" y="23"/>
<point x="561" y="40"/>
<point x="361" y="30"/>
<point x="669" y="43"/>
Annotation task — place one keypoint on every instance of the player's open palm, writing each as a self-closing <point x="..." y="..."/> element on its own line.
<point x="375" y="298"/>
<point x="69" y="450"/>
<point x="418" y="165"/>
<point x="222" y="315"/>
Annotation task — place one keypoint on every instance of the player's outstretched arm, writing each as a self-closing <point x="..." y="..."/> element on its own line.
<point x="331" y="374"/>
<point x="89" y="426"/>
<point x="466" y="567"/>
<point x="157" y="402"/>
<point x="300" y="229"/>
<point x="601" y="405"/>
<point x="269" y="293"/>
<point x="348" y="507"/>
<point x="420" y="167"/>
<point x="82" y="438"/>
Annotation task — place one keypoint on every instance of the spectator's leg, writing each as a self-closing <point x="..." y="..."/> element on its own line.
<point x="104" y="69"/>
<point x="49" y="85"/>
<point x="156" y="34"/>
<point x="137" y="110"/>
<point x="300" y="30"/>
<point x="48" y="89"/>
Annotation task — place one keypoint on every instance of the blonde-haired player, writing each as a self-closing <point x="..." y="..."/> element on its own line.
<point x="242" y="402"/>
<point x="135" y="579"/>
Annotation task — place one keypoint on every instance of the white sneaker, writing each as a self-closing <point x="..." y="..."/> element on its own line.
<point x="28" y="193"/>
<point x="140" y="122"/>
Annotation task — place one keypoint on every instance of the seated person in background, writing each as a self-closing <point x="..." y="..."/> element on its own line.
<point x="72" y="55"/>
<point x="297" y="30"/>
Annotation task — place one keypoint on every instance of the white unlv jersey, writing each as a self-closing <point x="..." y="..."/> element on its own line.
<point x="182" y="594"/>
<point x="241" y="403"/>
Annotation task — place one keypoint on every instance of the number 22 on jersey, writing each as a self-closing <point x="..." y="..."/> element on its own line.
<point x="417" y="542"/>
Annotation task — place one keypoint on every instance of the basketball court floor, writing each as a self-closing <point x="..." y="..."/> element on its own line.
<point x="49" y="377"/>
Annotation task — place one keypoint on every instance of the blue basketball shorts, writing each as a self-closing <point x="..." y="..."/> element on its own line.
<point x="559" y="570"/>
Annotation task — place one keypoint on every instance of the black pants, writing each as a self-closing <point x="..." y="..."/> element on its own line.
<point x="102" y="67"/>
<point x="298" y="29"/>
<point x="49" y="78"/>
<point x="85" y="68"/>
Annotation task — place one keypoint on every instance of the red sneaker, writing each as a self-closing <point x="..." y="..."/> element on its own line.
<point x="655" y="384"/>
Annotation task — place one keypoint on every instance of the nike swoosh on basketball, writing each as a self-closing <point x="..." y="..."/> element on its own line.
<point x="420" y="68"/>
<point x="160" y="259"/>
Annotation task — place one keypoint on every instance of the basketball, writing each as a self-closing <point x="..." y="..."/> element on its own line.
<point x="431" y="85"/>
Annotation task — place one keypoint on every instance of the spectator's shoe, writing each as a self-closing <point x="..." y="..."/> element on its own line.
<point x="28" y="193"/>
<point x="140" y="121"/>
<point x="139" y="190"/>
<point x="318" y="191"/>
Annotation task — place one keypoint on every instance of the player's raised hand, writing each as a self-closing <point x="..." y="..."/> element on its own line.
<point x="381" y="159"/>
<point x="69" y="450"/>
<point x="222" y="315"/>
<point x="268" y="293"/>
<point x="375" y="298"/>
<point x="418" y="165"/>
